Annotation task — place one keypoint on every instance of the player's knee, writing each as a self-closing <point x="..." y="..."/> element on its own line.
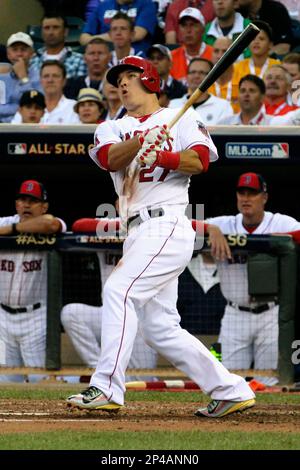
<point x="67" y="315"/>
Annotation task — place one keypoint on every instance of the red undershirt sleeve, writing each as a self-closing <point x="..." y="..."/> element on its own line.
<point x="200" y="226"/>
<point x="102" y="157"/>
<point x="203" y="153"/>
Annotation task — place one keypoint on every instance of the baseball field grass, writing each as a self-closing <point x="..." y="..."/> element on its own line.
<point x="35" y="417"/>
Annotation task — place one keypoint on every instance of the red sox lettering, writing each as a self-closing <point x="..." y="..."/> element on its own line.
<point x="28" y="266"/>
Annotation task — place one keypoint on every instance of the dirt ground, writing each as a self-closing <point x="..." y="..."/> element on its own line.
<point x="40" y="416"/>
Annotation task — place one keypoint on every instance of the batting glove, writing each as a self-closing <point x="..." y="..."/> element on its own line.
<point x="150" y="155"/>
<point x="147" y="155"/>
<point x="156" y="136"/>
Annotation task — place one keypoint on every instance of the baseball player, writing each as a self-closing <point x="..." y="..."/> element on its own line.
<point x="249" y="330"/>
<point x="23" y="280"/>
<point x="151" y="168"/>
<point x="82" y="322"/>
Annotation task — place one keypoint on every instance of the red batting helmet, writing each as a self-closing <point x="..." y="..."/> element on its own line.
<point x="149" y="76"/>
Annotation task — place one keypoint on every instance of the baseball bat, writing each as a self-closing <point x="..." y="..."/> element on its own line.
<point x="232" y="53"/>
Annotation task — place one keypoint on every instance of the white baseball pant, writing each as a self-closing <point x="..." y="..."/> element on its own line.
<point x="23" y="339"/>
<point x="82" y="323"/>
<point x="140" y="286"/>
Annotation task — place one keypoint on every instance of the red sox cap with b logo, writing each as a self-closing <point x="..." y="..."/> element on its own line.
<point x="33" y="189"/>
<point x="252" y="181"/>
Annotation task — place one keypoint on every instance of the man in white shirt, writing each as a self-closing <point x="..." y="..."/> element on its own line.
<point x="59" y="109"/>
<point x="249" y="329"/>
<point x="23" y="280"/>
<point x="210" y="108"/>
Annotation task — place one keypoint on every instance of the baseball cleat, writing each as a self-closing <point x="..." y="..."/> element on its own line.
<point x="220" y="408"/>
<point x="92" y="398"/>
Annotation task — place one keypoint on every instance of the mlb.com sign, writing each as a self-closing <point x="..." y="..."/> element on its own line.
<point x="257" y="150"/>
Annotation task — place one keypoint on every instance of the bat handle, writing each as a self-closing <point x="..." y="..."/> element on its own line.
<point x="192" y="99"/>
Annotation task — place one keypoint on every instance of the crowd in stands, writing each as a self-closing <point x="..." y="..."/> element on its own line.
<point x="182" y="38"/>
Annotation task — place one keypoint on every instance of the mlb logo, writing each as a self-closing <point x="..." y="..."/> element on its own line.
<point x="280" y="150"/>
<point x="17" y="149"/>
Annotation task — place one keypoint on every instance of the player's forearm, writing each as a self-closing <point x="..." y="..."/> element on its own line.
<point x="190" y="163"/>
<point x="46" y="224"/>
<point x="171" y="37"/>
<point x="139" y="33"/>
<point x="121" y="155"/>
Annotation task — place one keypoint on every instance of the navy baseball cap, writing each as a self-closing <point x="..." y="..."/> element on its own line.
<point x="252" y="181"/>
<point x="33" y="189"/>
<point x="33" y="96"/>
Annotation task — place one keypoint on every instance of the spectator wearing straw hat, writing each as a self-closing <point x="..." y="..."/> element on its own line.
<point x="89" y="106"/>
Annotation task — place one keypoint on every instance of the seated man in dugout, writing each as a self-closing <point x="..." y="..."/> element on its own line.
<point x="23" y="281"/>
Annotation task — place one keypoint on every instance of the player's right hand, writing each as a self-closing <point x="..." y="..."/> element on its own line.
<point x="155" y="136"/>
<point x="218" y="243"/>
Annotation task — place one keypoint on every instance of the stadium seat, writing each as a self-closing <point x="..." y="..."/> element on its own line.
<point x="296" y="32"/>
<point x="35" y="32"/>
<point x="75" y="26"/>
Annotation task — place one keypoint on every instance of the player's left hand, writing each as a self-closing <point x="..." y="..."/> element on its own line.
<point x="147" y="155"/>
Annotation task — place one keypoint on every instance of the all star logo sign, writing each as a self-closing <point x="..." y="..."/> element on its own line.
<point x="17" y="149"/>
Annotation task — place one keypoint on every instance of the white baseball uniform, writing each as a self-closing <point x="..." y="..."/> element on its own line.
<point x="247" y="336"/>
<point x="23" y="281"/>
<point x="155" y="252"/>
<point x="82" y="323"/>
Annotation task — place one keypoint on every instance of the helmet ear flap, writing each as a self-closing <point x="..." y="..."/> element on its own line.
<point x="150" y="77"/>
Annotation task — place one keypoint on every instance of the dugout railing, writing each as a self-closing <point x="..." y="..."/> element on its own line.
<point x="272" y="272"/>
